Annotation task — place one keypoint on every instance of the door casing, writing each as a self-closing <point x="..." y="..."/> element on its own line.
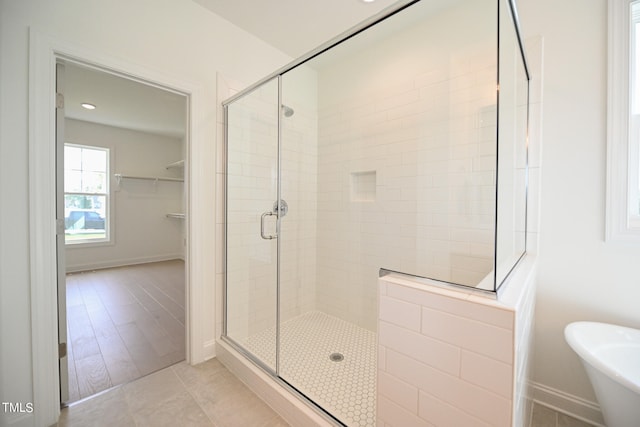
<point x="44" y="52"/>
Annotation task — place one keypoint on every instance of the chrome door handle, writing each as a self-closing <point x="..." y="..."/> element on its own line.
<point x="268" y="213"/>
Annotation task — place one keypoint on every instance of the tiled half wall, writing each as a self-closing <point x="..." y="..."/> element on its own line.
<point x="452" y="357"/>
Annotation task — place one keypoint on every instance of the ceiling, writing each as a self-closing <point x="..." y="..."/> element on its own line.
<point x="123" y="102"/>
<point x="296" y="26"/>
<point x="293" y="26"/>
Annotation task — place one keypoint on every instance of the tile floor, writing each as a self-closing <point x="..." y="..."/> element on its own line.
<point x="542" y="416"/>
<point x="345" y="388"/>
<point x="180" y="395"/>
<point x="204" y="395"/>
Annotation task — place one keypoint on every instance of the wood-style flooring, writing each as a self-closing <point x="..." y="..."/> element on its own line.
<point x="123" y="323"/>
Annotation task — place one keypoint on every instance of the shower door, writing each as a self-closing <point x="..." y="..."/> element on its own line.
<point x="271" y="249"/>
<point x="252" y="223"/>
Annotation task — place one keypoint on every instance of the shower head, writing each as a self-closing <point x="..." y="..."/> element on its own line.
<point x="287" y="111"/>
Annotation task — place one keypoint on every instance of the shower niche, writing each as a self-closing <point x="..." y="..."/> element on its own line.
<point x="400" y="147"/>
<point x="363" y="186"/>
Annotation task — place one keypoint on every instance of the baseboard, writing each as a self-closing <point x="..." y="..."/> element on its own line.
<point x="569" y="404"/>
<point x="209" y="349"/>
<point x="18" y="420"/>
<point x="121" y="262"/>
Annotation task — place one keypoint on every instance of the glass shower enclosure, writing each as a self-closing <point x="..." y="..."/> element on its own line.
<point x="401" y="147"/>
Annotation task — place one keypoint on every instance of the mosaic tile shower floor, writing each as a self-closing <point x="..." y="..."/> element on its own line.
<point x="346" y="388"/>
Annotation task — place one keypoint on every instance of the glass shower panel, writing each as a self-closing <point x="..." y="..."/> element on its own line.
<point x="512" y="149"/>
<point x="325" y="352"/>
<point x="407" y="153"/>
<point x="388" y="161"/>
<point x="251" y="256"/>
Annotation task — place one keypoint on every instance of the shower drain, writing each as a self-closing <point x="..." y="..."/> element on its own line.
<point x="336" y="357"/>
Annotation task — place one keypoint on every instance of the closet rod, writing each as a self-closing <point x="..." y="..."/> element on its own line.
<point x="176" y="215"/>
<point x="120" y="176"/>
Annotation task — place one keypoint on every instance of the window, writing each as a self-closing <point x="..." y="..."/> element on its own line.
<point x="623" y="139"/>
<point x="86" y="194"/>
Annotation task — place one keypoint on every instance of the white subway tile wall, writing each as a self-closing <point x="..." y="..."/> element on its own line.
<point x="251" y="267"/>
<point x="524" y="349"/>
<point x="252" y="175"/>
<point x="452" y="357"/>
<point x="298" y="234"/>
<point x="452" y="365"/>
<point x="429" y="214"/>
<point x="419" y="123"/>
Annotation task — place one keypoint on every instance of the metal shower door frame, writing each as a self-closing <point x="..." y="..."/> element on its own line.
<point x="277" y="212"/>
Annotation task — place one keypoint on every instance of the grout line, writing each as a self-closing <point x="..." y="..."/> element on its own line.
<point x="188" y="389"/>
<point x="328" y="334"/>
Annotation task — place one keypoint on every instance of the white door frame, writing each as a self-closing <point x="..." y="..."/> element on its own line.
<point x="43" y="54"/>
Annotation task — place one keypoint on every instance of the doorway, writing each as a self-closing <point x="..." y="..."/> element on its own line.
<point x="122" y="235"/>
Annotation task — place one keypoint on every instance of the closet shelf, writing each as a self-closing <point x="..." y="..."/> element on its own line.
<point x="178" y="164"/>
<point x="175" y="215"/>
<point x="120" y="176"/>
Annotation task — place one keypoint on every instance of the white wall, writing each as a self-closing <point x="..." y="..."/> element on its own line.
<point x="140" y="230"/>
<point x="580" y="276"/>
<point x="175" y="38"/>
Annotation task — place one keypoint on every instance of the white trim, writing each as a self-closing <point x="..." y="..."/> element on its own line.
<point x="568" y="404"/>
<point x="122" y="262"/>
<point x="617" y="226"/>
<point x="43" y="53"/>
<point x="42" y="232"/>
<point x="210" y="349"/>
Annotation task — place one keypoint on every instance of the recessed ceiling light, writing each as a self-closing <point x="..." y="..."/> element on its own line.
<point x="368" y="1"/>
<point x="88" y="106"/>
